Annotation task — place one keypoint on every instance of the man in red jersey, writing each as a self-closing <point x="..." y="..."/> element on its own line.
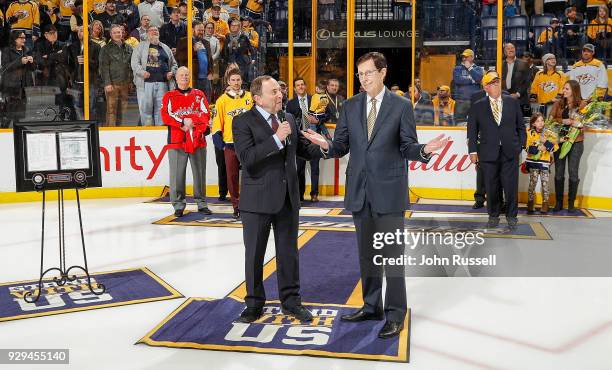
<point x="185" y="112"/>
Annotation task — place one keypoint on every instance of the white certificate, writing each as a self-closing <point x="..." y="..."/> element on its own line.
<point x="41" y="151"/>
<point x="74" y="150"/>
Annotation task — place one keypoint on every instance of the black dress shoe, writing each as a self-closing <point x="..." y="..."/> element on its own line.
<point x="236" y="214"/>
<point x="390" y="329"/>
<point x="493" y="222"/>
<point x="299" y="312"/>
<point x="205" y="211"/>
<point x="222" y="198"/>
<point x="179" y="212"/>
<point x="361" y="315"/>
<point x="512" y="223"/>
<point x="250" y="314"/>
<point x="478" y="205"/>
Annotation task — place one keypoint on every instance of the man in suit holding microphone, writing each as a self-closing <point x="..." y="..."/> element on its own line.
<point x="496" y="136"/>
<point x="378" y="128"/>
<point x="267" y="147"/>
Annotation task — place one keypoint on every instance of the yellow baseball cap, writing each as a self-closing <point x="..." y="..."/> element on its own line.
<point x="467" y="53"/>
<point x="444" y="87"/>
<point x="489" y="77"/>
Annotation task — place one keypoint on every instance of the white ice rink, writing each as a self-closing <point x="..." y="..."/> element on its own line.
<point x="457" y="323"/>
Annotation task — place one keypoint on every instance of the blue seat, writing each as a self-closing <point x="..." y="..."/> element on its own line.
<point x="516" y="31"/>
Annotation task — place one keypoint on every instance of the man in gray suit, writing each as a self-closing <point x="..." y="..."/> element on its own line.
<point x="378" y="128"/>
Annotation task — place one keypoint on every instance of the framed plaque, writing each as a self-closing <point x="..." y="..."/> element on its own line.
<point x="57" y="155"/>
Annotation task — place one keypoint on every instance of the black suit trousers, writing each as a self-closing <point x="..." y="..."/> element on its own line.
<point x="368" y="222"/>
<point x="256" y="230"/>
<point x="503" y="171"/>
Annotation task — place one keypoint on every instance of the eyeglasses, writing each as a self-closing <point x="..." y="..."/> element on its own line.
<point x="370" y="73"/>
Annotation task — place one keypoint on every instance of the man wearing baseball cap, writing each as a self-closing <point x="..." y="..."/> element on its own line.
<point x="444" y="107"/>
<point x="590" y="73"/>
<point x="496" y="136"/>
<point x="467" y="77"/>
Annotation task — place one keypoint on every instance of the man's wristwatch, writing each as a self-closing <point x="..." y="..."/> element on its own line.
<point x="425" y="155"/>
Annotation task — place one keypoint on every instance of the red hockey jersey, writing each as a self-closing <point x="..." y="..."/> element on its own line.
<point x="178" y="105"/>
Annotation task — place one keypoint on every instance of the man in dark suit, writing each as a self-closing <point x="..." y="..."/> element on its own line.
<point x="515" y="77"/>
<point x="496" y="136"/>
<point x="480" y="194"/>
<point x="378" y="128"/>
<point x="298" y="107"/>
<point x="267" y="146"/>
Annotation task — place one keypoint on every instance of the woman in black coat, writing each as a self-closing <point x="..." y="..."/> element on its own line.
<point x="17" y="67"/>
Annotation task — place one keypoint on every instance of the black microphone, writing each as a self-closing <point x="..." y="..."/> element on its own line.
<point x="283" y="118"/>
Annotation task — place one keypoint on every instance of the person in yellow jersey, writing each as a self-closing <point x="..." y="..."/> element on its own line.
<point x="549" y="38"/>
<point x="221" y="26"/>
<point x="96" y="6"/>
<point x="254" y="9"/>
<point x="249" y="31"/>
<point x="232" y="103"/>
<point x="547" y="84"/>
<point x="66" y="8"/>
<point x="23" y="15"/>
<point x="599" y="32"/>
<point x="444" y="107"/>
<point x="49" y="10"/>
<point x="223" y="14"/>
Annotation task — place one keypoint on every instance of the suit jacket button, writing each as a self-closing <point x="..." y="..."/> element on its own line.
<point x="284" y="180"/>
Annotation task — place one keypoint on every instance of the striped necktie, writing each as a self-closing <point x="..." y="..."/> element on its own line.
<point x="496" y="112"/>
<point x="304" y="109"/>
<point x="371" y="118"/>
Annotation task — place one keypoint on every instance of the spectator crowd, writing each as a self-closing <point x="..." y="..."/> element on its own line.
<point x="135" y="48"/>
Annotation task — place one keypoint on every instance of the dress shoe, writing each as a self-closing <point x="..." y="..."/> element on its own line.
<point x="178" y="212"/>
<point x="493" y="222"/>
<point x="478" y="205"/>
<point x="298" y="311"/>
<point x="205" y="211"/>
<point x="512" y="223"/>
<point x="314" y="198"/>
<point x="222" y="198"/>
<point x="236" y="214"/>
<point x="361" y="315"/>
<point x="250" y="314"/>
<point x="390" y="329"/>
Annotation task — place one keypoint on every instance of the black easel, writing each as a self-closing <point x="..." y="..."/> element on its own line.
<point x="65" y="273"/>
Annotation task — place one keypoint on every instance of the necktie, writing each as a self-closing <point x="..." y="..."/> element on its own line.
<point x="304" y="113"/>
<point x="274" y="123"/>
<point x="495" y="109"/>
<point x="371" y="118"/>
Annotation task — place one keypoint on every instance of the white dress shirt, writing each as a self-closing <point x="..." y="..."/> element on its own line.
<point x="379" y="99"/>
<point x="267" y="116"/>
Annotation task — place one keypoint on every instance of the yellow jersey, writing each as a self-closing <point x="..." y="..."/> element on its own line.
<point x="252" y="35"/>
<point x="255" y="6"/>
<point x="596" y="26"/>
<point x="96" y="6"/>
<point x="546" y="86"/>
<point x="540" y="148"/>
<point x="228" y="106"/>
<point x="27" y="14"/>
